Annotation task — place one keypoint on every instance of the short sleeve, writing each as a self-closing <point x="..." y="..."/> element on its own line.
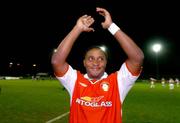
<point x="125" y="81"/>
<point x="69" y="79"/>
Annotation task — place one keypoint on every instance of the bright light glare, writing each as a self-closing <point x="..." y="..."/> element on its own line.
<point x="34" y="65"/>
<point x="156" y="47"/>
<point x="55" y="50"/>
<point x="103" y="48"/>
<point x="11" y="63"/>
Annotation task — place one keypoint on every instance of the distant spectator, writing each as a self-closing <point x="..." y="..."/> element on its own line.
<point x="171" y="84"/>
<point x="177" y="82"/>
<point x="152" y="82"/>
<point x="163" y="81"/>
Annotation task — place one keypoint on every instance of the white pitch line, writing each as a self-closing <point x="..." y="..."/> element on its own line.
<point x="57" y="118"/>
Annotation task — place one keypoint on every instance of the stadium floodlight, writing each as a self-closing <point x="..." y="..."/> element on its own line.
<point x="103" y="48"/>
<point x="34" y="65"/>
<point x="11" y="63"/>
<point x="55" y="50"/>
<point x="157" y="47"/>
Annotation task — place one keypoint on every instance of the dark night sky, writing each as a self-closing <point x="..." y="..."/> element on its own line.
<point x="31" y="30"/>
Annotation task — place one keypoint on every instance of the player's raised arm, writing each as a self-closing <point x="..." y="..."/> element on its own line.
<point x="133" y="52"/>
<point x="58" y="60"/>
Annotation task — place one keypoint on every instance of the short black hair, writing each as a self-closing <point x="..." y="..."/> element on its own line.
<point x="96" y="47"/>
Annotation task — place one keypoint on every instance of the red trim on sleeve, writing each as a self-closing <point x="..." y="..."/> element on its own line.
<point x="60" y="74"/>
<point x="133" y="73"/>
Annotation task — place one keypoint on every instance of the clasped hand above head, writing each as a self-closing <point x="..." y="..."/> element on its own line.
<point x="85" y="21"/>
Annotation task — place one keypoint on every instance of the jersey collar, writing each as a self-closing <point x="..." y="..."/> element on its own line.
<point x="87" y="77"/>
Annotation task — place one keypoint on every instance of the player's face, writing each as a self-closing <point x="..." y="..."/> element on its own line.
<point x="95" y="63"/>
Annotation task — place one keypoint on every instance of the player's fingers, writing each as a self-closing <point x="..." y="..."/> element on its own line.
<point x="90" y="29"/>
<point x="88" y="22"/>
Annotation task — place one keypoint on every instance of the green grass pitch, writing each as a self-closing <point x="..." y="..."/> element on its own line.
<point x="38" y="101"/>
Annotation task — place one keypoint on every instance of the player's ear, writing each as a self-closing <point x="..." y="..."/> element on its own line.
<point x="84" y="63"/>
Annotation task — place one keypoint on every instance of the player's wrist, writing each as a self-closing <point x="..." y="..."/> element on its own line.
<point x="113" y="28"/>
<point x="78" y="29"/>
